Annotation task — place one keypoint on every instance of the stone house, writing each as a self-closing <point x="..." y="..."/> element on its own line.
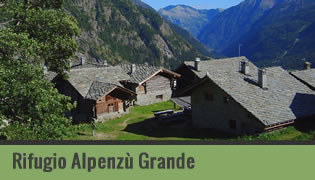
<point x="105" y="92"/>
<point x="306" y="76"/>
<point x="97" y="92"/>
<point x="152" y="84"/>
<point x="234" y="96"/>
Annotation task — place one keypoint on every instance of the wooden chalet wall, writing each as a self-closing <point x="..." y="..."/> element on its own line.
<point x="109" y="104"/>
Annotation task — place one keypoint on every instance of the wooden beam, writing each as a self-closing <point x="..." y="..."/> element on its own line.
<point x="279" y="125"/>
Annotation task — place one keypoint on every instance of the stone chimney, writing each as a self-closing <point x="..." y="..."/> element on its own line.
<point x="133" y="68"/>
<point x="45" y="69"/>
<point x="262" y="78"/>
<point x="307" y="65"/>
<point x="197" y="64"/>
<point x="244" y="67"/>
<point x="82" y="60"/>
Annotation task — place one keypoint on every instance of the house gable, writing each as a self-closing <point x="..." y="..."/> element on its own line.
<point x="213" y="108"/>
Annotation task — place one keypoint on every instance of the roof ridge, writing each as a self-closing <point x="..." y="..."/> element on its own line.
<point x="104" y="83"/>
<point x="211" y="60"/>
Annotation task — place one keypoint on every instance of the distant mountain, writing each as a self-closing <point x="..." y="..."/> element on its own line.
<point x="227" y="27"/>
<point x="184" y="33"/>
<point x="193" y="41"/>
<point x="284" y="36"/>
<point x="191" y="19"/>
<point x="120" y="30"/>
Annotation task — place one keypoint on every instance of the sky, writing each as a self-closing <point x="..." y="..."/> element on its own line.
<point x="198" y="4"/>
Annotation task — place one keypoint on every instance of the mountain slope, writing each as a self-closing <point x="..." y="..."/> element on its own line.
<point x="119" y="30"/>
<point x="182" y="32"/>
<point x="284" y="36"/>
<point x="193" y="41"/>
<point x="142" y="4"/>
<point x="230" y="25"/>
<point x="188" y="18"/>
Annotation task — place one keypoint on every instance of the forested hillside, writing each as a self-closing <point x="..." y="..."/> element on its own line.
<point x="119" y="30"/>
<point x="227" y="27"/>
<point x="284" y="36"/>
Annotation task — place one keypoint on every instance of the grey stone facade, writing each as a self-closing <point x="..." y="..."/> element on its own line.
<point x="212" y="108"/>
<point x="157" y="89"/>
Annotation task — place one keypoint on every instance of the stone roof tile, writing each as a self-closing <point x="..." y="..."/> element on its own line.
<point x="82" y="79"/>
<point x="142" y="72"/>
<point x="307" y="76"/>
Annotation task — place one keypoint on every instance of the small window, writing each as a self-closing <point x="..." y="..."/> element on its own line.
<point x="141" y="89"/>
<point x="159" y="97"/>
<point x="232" y="124"/>
<point x="209" y="97"/>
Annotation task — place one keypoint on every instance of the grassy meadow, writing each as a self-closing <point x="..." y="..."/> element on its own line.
<point x="140" y="124"/>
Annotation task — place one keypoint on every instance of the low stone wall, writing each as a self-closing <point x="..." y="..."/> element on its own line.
<point x="108" y="116"/>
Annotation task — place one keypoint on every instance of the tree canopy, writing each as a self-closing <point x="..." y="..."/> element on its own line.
<point x="33" y="33"/>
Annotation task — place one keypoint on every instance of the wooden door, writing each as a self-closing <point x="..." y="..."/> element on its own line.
<point x="116" y="107"/>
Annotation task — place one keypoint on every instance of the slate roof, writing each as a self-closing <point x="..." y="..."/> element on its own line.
<point x="142" y="72"/>
<point x="50" y="75"/>
<point x="306" y="76"/>
<point x="99" y="89"/>
<point x="92" y="82"/>
<point x="88" y="65"/>
<point x="182" y="102"/>
<point x="285" y="99"/>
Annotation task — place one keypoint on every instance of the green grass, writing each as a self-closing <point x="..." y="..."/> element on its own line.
<point x="140" y="125"/>
<point x="114" y="129"/>
<point x="288" y="133"/>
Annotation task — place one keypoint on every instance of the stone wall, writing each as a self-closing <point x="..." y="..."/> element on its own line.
<point x="108" y="116"/>
<point x="157" y="89"/>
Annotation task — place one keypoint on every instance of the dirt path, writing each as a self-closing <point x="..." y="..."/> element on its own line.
<point x="124" y="124"/>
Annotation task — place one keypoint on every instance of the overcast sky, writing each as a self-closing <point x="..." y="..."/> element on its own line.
<point x="199" y="4"/>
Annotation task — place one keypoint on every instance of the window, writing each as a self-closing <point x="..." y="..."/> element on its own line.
<point x="141" y="89"/>
<point x="159" y="97"/>
<point x="232" y="124"/>
<point x="209" y="97"/>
